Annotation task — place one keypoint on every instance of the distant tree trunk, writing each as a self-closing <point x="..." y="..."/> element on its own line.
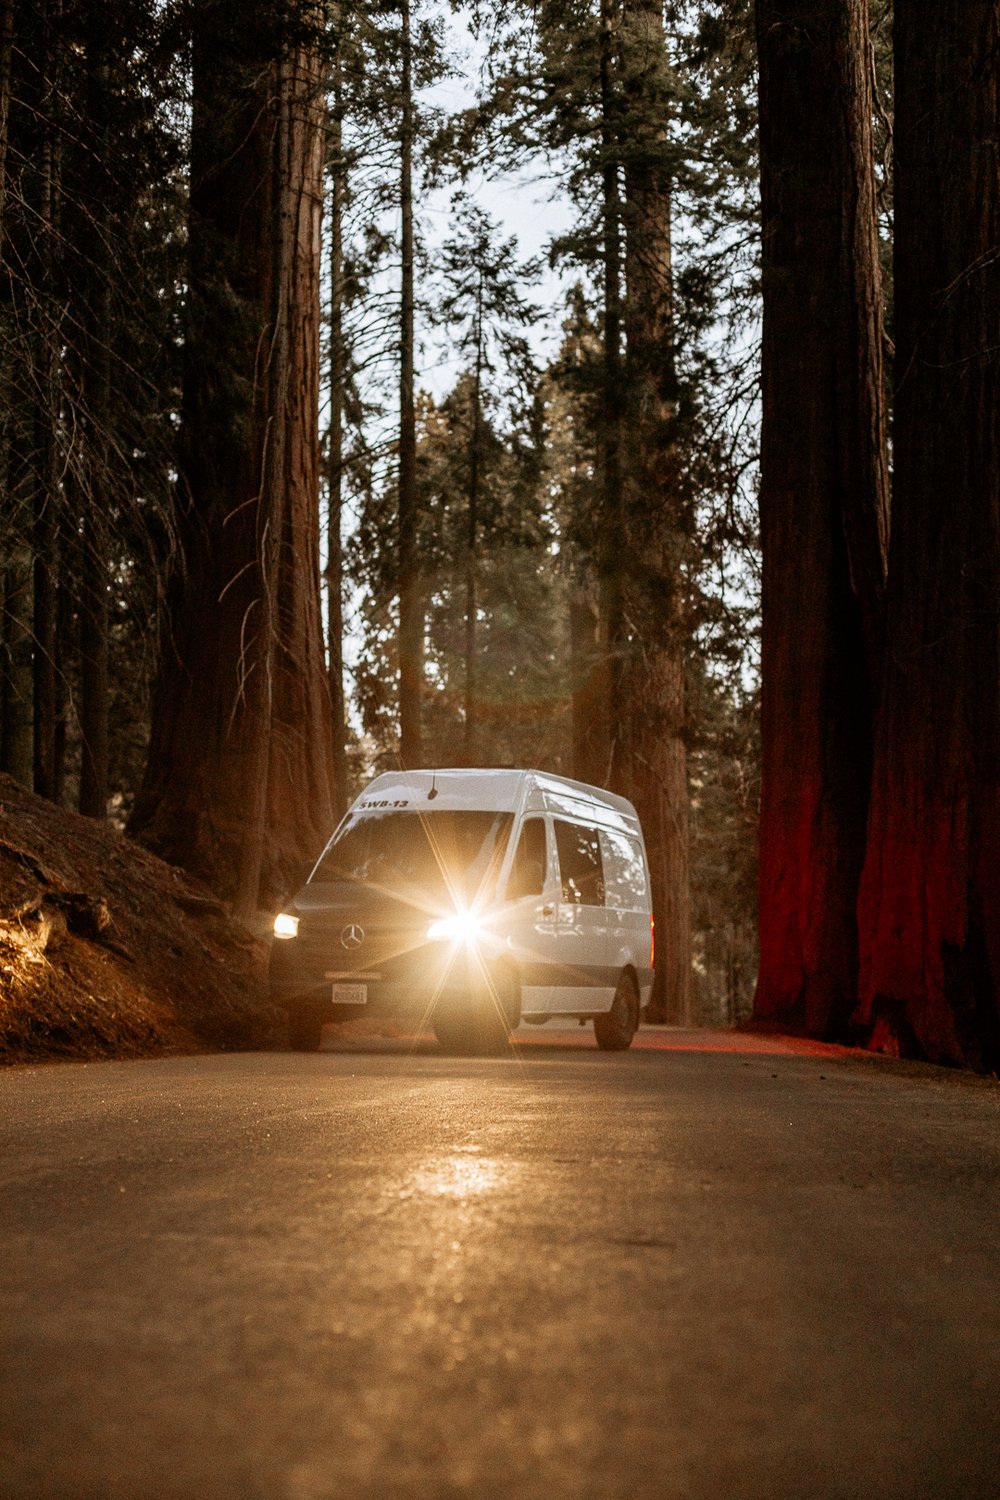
<point x="610" y="552"/>
<point x="7" y="582"/>
<point x="930" y="902"/>
<point x="587" y="675"/>
<point x="335" y="478"/>
<point x="45" y="638"/>
<point x="472" y="532"/>
<point x="16" y="683"/>
<point x="95" y="459"/>
<point x="411" y="613"/>
<point x="45" y="528"/>
<point x="238" y="781"/>
<point x="6" y="51"/>
<point x="650" y="759"/>
<point x="823" y="507"/>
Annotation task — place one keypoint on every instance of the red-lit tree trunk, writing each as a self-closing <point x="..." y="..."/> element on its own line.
<point x="238" y="782"/>
<point x="823" y="507"/>
<point x="930" y="907"/>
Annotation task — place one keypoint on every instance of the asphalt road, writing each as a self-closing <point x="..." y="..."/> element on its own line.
<point x="684" y="1271"/>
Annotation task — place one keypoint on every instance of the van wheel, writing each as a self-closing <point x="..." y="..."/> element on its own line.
<point x="305" y="1031"/>
<point x="615" y="1030"/>
<point x="483" y="1022"/>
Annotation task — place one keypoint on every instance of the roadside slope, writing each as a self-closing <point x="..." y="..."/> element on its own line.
<point x="105" y="951"/>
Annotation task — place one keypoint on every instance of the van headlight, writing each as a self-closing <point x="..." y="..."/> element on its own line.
<point x="286" y="925"/>
<point x="463" y="927"/>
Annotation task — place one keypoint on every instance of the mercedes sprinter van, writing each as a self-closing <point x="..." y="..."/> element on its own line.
<point x="471" y="900"/>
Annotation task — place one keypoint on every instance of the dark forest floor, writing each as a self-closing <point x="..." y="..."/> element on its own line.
<point x="105" y="951"/>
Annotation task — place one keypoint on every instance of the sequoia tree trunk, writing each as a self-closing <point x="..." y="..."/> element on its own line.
<point x="238" y="781"/>
<point x="823" y="505"/>
<point x="411" y="611"/>
<point x="649" y="764"/>
<point x="335" y="476"/>
<point x="930" y="901"/>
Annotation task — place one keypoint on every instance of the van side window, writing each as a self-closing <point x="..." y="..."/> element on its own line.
<point x="527" y="873"/>
<point x="580" y="864"/>
<point x="624" y="872"/>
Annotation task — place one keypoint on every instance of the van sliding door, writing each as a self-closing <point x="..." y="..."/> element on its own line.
<point x="584" y="982"/>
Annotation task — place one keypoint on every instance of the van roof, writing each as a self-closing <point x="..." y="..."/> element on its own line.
<point x="494" y="788"/>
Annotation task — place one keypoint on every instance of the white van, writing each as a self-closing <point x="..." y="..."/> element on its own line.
<point x="472" y="900"/>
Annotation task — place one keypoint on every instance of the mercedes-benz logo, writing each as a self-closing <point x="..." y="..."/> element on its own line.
<point x="352" y="936"/>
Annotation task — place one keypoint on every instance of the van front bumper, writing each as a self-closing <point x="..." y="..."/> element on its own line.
<point x="409" y="985"/>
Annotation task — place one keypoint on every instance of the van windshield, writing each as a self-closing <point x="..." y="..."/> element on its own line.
<point x="444" y="852"/>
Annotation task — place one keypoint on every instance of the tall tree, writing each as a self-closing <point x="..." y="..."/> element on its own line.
<point x="238" y="780"/>
<point x="47" y="505"/>
<point x="823" y="507"/>
<point x="483" y="306"/>
<point x="411" y="606"/>
<point x="610" y="558"/>
<point x="930" y="907"/>
<point x="334" y="573"/>
<point x="6" y="59"/>
<point x="649" y="757"/>
<point x="95" y="228"/>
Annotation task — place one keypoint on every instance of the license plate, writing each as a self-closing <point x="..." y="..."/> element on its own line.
<point x="350" y="994"/>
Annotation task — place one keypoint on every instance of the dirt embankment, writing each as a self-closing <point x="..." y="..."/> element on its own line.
<point x="105" y="951"/>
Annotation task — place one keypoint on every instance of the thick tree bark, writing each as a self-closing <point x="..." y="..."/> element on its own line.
<point x="411" y="610"/>
<point x="650" y="759"/>
<point x="823" y="505"/>
<point x="238" y="782"/>
<point x="335" y="451"/>
<point x="930" y="903"/>
<point x="300" y="760"/>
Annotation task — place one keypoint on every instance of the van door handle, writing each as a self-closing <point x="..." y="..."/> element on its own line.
<point x="548" y="911"/>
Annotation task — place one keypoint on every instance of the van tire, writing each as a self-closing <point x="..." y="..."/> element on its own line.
<point x="616" y="1028"/>
<point x="484" y="1023"/>
<point x="305" y="1031"/>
